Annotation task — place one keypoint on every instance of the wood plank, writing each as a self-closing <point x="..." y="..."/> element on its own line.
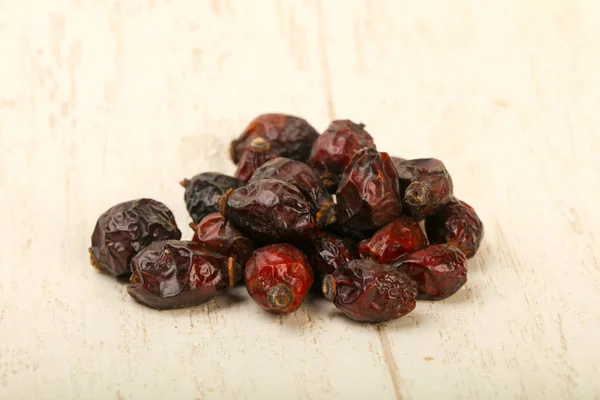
<point x="507" y="95"/>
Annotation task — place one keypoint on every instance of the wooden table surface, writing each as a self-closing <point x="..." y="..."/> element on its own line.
<point x="106" y="101"/>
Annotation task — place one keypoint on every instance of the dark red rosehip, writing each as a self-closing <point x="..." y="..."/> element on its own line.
<point x="257" y="153"/>
<point x="125" y="229"/>
<point x="425" y="186"/>
<point x="439" y="270"/>
<point x="368" y="195"/>
<point x="370" y="292"/>
<point x="333" y="150"/>
<point x="175" y="274"/>
<point x="278" y="278"/>
<point x="289" y="136"/>
<point x="220" y="235"/>
<point x="269" y="211"/>
<point x="456" y="223"/>
<point x="395" y="239"/>
<point x="306" y="180"/>
<point x="203" y="192"/>
<point x="326" y="252"/>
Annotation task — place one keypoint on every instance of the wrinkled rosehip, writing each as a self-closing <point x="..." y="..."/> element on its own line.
<point x="425" y="186"/>
<point x="306" y="180"/>
<point x="370" y="292"/>
<point x="175" y="274"/>
<point x="278" y="278"/>
<point x="439" y="270"/>
<point x="289" y="136"/>
<point x="125" y="229"/>
<point x="203" y="192"/>
<point x="257" y="153"/>
<point x="368" y="195"/>
<point x="456" y="223"/>
<point x="334" y="149"/>
<point x="269" y="211"/>
<point x="220" y="235"/>
<point x="395" y="239"/>
<point x="326" y="252"/>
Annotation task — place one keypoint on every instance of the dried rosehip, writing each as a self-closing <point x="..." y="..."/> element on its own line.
<point x="176" y="274"/>
<point x="456" y="223"/>
<point x="425" y="185"/>
<point x="370" y="292"/>
<point x="257" y="153"/>
<point x="125" y="229"/>
<point x="278" y="278"/>
<point x="306" y="180"/>
<point x="203" y="192"/>
<point x="220" y="235"/>
<point x="397" y="238"/>
<point x="368" y="195"/>
<point x="334" y="149"/>
<point x="289" y="136"/>
<point x="439" y="270"/>
<point x="326" y="252"/>
<point x="269" y="211"/>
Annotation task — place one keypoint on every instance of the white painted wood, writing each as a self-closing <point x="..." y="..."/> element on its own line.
<point x="105" y="101"/>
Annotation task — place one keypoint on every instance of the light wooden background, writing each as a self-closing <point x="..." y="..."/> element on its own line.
<point x="103" y="101"/>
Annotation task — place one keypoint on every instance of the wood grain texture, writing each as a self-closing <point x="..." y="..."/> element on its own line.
<point x="103" y="101"/>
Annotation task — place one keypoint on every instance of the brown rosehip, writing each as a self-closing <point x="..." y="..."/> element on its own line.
<point x="125" y="229"/>
<point x="439" y="270"/>
<point x="203" y="191"/>
<point x="368" y="196"/>
<point x="278" y="278"/>
<point x="334" y="149"/>
<point x="289" y="136"/>
<point x="425" y="186"/>
<point x="269" y="211"/>
<point x="306" y="180"/>
<point x="370" y="292"/>
<point x="395" y="239"/>
<point x="257" y="153"/>
<point x="326" y="252"/>
<point x="175" y="274"/>
<point x="456" y="223"/>
<point x="220" y="235"/>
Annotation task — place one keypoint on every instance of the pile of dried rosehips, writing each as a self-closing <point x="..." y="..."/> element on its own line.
<point x="303" y="211"/>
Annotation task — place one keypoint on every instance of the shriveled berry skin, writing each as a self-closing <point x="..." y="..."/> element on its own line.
<point x="395" y="239"/>
<point x="306" y="180"/>
<point x="125" y="229"/>
<point x="258" y="152"/>
<point x="203" y="191"/>
<point x="220" y="235"/>
<point x="175" y="274"/>
<point x="425" y="186"/>
<point x="439" y="270"/>
<point x="368" y="196"/>
<point x="456" y="223"/>
<point x="326" y="252"/>
<point x="289" y="136"/>
<point x="334" y="149"/>
<point x="278" y="278"/>
<point x="269" y="211"/>
<point x="370" y="292"/>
